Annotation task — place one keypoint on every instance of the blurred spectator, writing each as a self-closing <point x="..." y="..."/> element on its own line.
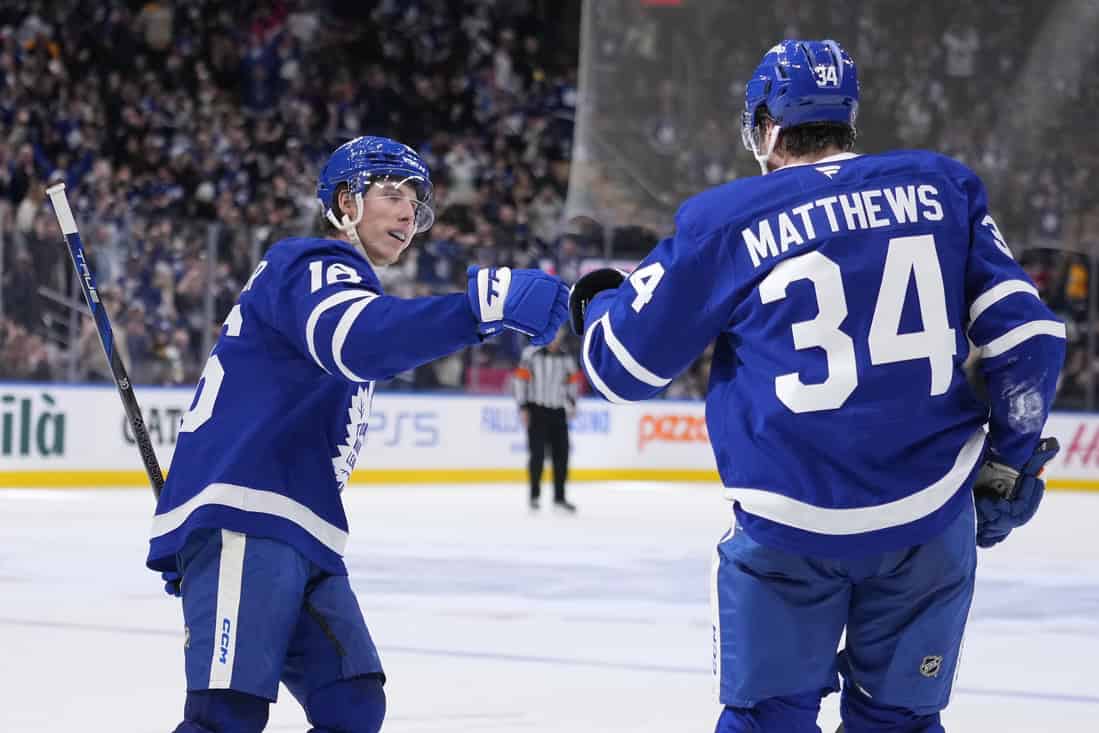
<point x="21" y="300"/>
<point x="438" y="260"/>
<point x="567" y="259"/>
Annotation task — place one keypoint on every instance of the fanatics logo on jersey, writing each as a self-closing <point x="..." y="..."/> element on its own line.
<point x="930" y="666"/>
<point x="828" y="170"/>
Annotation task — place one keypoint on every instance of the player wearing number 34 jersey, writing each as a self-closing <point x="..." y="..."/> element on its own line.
<point x="843" y="292"/>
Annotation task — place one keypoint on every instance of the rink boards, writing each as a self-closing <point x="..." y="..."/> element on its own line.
<point x="77" y="436"/>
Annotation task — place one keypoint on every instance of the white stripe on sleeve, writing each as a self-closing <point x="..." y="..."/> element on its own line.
<point x="347" y="320"/>
<point x="1019" y="334"/>
<point x="230" y="579"/>
<point x="997" y="293"/>
<point x="330" y="302"/>
<point x="624" y="357"/>
<point x="597" y="381"/>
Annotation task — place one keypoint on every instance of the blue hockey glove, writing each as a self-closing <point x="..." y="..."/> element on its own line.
<point x="1006" y="498"/>
<point x="528" y="301"/>
<point x="172" y="581"/>
<point x="588" y="287"/>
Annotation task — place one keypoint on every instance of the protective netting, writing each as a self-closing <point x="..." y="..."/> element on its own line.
<point x="1001" y="85"/>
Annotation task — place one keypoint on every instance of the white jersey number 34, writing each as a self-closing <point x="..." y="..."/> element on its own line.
<point x="907" y="257"/>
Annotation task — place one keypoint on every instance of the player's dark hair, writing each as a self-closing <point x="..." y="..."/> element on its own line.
<point x="810" y="138"/>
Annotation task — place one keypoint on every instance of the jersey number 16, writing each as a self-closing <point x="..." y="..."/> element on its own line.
<point x="209" y="384"/>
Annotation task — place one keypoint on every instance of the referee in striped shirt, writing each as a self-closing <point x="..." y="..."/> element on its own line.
<point x="546" y="385"/>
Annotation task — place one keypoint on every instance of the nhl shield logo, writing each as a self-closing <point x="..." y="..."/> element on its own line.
<point x="930" y="666"/>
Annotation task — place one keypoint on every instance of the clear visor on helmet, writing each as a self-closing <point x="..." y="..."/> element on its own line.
<point x="751" y="133"/>
<point x="413" y="189"/>
<point x="747" y="134"/>
<point x="754" y="93"/>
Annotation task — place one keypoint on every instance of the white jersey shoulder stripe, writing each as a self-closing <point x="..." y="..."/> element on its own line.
<point x="253" y="500"/>
<point x="1019" y="334"/>
<point x="825" y="520"/>
<point x="997" y="293"/>
<point x="330" y="302"/>
<point x="347" y="320"/>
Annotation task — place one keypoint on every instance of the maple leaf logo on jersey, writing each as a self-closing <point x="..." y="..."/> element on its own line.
<point x="358" y="415"/>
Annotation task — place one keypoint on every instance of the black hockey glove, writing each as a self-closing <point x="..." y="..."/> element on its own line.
<point x="588" y="287"/>
<point x="1007" y="498"/>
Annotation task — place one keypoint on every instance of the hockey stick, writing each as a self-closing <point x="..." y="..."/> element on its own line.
<point x="106" y="335"/>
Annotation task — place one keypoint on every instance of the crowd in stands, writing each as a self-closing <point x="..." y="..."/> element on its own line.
<point x="190" y="135"/>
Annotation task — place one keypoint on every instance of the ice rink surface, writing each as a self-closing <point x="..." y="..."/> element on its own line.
<point x="490" y="618"/>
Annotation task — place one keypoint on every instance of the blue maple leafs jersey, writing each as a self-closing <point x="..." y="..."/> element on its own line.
<point x="281" y="410"/>
<point x="842" y="296"/>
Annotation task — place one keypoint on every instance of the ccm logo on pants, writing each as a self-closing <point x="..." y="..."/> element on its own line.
<point x="226" y="626"/>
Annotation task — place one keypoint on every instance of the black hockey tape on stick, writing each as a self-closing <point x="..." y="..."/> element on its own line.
<point x="65" y="219"/>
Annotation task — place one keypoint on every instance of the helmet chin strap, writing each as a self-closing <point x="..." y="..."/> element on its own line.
<point x="349" y="226"/>
<point x="772" y="140"/>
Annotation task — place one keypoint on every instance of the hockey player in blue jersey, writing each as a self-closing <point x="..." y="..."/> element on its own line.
<point x="251" y="515"/>
<point x="842" y="291"/>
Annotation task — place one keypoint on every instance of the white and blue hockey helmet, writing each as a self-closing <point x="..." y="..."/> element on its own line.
<point x="369" y="160"/>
